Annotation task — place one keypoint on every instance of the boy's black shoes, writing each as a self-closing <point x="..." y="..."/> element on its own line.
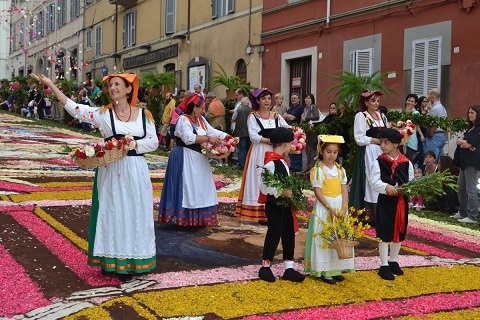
<point x="338" y="278"/>
<point x="106" y="273"/>
<point x="385" y="273"/>
<point x="328" y="280"/>
<point x="124" y="277"/>
<point x="291" y="274"/>
<point x="395" y="268"/>
<point x="266" y="274"/>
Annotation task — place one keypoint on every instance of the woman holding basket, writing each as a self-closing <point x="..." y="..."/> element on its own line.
<point x="121" y="233"/>
<point x="189" y="196"/>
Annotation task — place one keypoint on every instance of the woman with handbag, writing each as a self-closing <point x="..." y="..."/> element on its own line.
<point x="469" y="153"/>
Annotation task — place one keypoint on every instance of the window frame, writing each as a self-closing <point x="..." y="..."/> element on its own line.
<point x="50" y="18"/>
<point x="88" y="38"/>
<point x="74" y="9"/>
<point x="129" y="29"/>
<point x="98" y="40"/>
<point x="361" y="60"/>
<point x="221" y="8"/>
<point x="40" y="25"/>
<point x="62" y="14"/>
<point x="170" y="10"/>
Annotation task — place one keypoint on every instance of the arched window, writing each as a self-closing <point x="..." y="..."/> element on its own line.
<point x="242" y="70"/>
<point x="170" y="68"/>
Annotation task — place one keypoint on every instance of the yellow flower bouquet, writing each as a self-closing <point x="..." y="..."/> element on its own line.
<point x="341" y="233"/>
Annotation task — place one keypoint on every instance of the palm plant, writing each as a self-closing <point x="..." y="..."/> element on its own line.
<point x="221" y="78"/>
<point x="350" y="86"/>
<point x="154" y="79"/>
<point x="348" y="89"/>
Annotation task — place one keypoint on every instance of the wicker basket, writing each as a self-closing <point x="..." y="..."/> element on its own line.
<point x="216" y="156"/>
<point x="109" y="157"/>
<point x="343" y="248"/>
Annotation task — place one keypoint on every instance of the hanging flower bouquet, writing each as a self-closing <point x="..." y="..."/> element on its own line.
<point x="97" y="154"/>
<point x="406" y="128"/>
<point x="429" y="187"/>
<point x="221" y="149"/>
<point x="298" y="143"/>
<point x="293" y="182"/>
<point x="341" y="233"/>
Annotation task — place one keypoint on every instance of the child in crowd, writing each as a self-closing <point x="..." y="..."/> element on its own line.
<point x="224" y="161"/>
<point x="329" y="182"/>
<point x="430" y="163"/>
<point x="417" y="201"/>
<point x="281" y="220"/>
<point x="391" y="169"/>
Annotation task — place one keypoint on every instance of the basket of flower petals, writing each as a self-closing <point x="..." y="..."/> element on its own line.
<point x="98" y="154"/>
<point x="406" y="128"/>
<point x="299" y="141"/>
<point x="220" y="149"/>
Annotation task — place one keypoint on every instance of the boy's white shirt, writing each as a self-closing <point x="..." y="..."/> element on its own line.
<point x="377" y="184"/>
<point x="270" y="166"/>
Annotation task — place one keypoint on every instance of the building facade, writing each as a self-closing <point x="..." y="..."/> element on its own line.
<point x="84" y="40"/>
<point x="188" y="38"/>
<point x="4" y="38"/>
<point x="47" y="37"/>
<point x="422" y="44"/>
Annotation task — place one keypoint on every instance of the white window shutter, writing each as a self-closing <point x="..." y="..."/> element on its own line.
<point x="214" y="9"/>
<point x="170" y="16"/>
<point x="426" y="65"/>
<point x="352" y="62"/>
<point x="434" y="63"/>
<point x="133" y="26"/>
<point x="230" y="6"/>
<point x="72" y="9"/>
<point x="364" y="62"/>
<point x="361" y="62"/>
<point x="125" y="35"/>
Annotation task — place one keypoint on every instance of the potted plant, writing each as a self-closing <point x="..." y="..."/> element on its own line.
<point x="157" y="82"/>
<point x="221" y="78"/>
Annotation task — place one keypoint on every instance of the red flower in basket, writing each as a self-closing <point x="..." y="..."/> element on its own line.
<point x="80" y="154"/>
<point x="298" y="143"/>
<point x="406" y="128"/>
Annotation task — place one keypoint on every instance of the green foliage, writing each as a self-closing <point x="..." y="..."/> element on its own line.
<point x="348" y="89"/>
<point x="221" y="78"/>
<point x="449" y="124"/>
<point x="153" y="78"/>
<point x="102" y="98"/>
<point x="429" y="187"/>
<point x="155" y="105"/>
<point x="350" y="86"/>
<point x="292" y="182"/>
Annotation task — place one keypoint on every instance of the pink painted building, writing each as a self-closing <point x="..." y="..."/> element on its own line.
<point x="423" y="44"/>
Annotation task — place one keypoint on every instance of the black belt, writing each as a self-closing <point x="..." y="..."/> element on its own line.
<point x="439" y="131"/>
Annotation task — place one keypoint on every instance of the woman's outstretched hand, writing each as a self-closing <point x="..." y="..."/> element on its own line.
<point x="42" y="78"/>
<point x="49" y="83"/>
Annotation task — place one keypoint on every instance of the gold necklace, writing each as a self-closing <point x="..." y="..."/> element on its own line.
<point x="123" y="115"/>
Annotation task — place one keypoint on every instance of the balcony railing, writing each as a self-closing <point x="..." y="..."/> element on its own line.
<point x="122" y="2"/>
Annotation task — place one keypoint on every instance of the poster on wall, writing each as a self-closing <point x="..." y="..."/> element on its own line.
<point x="197" y="76"/>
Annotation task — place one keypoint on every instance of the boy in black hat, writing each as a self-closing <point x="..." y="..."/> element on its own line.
<point x="392" y="169"/>
<point x="282" y="221"/>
